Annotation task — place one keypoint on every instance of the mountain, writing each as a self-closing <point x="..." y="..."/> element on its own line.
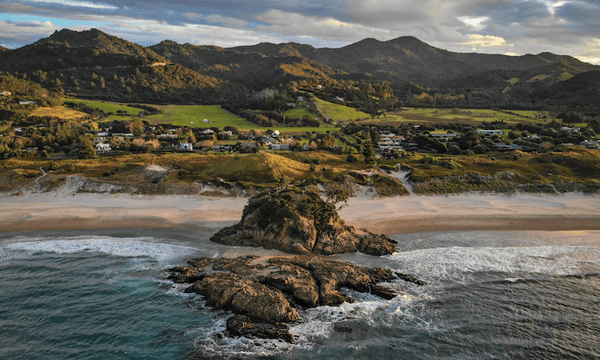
<point x="407" y="59"/>
<point x="94" y="64"/>
<point x="253" y="69"/>
<point x="580" y="90"/>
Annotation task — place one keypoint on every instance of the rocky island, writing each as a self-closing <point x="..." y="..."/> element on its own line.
<point x="299" y="221"/>
<point x="265" y="293"/>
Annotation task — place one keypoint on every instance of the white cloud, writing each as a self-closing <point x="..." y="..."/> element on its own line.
<point x="286" y="24"/>
<point x="473" y="21"/>
<point x="87" y="4"/>
<point x="477" y="42"/>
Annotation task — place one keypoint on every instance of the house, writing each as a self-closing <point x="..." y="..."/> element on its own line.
<point x="103" y="147"/>
<point x="387" y="135"/>
<point x="206" y="121"/>
<point x="442" y="136"/>
<point x="280" y="147"/>
<point x="228" y="132"/>
<point x="589" y="144"/>
<point x="26" y="102"/>
<point x="167" y="136"/>
<point x="207" y="132"/>
<point x="186" y="146"/>
<point x="306" y="147"/>
<point x="389" y="145"/>
<point x="490" y="132"/>
<point x="222" y="148"/>
<point x="506" y="147"/>
<point x="275" y="133"/>
<point x="570" y="129"/>
<point x="269" y="141"/>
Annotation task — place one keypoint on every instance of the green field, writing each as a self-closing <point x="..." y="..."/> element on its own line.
<point x="107" y="107"/>
<point x="422" y="115"/>
<point x="340" y="112"/>
<point x="299" y="114"/>
<point x="193" y="115"/>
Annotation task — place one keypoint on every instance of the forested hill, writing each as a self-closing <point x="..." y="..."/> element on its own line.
<point x="94" y="64"/>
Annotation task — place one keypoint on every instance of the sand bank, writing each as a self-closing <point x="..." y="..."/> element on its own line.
<point x="399" y="215"/>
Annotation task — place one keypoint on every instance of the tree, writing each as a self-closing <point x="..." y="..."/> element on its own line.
<point x="86" y="149"/>
<point x="369" y="152"/>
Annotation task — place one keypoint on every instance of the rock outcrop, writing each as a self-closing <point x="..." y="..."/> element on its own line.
<point x="300" y="222"/>
<point x="265" y="295"/>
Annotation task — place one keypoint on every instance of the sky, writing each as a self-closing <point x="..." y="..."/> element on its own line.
<point x="511" y="27"/>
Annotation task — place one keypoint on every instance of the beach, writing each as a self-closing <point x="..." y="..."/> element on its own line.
<point x="392" y="216"/>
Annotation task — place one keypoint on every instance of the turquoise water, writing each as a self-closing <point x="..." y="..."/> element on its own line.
<point x="488" y="295"/>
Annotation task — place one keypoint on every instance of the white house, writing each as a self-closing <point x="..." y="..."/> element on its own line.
<point x="275" y="133"/>
<point x="570" y="129"/>
<point x="186" y="146"/>
<point x="207" y="132"/>
<point x="206" y="121"/>
<point x="103" y="147"/>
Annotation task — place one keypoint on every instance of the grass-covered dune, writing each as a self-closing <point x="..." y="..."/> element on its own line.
<point x="572" y="169"/>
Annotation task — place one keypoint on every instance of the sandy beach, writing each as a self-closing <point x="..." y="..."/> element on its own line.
<point x="392" y="216"/>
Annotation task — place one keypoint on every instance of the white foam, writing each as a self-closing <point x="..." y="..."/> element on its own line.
<point x="125" y="247"/>
<point x="456" y="263"/>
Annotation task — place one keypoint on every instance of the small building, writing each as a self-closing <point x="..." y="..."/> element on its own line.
<point x="207" y="132"/>
<point x="490" y="132"/>
<point x="186" y="146"/>
<point x="280" y="147"/>
<point x="103" y="147"/>
<point x="275" y="133"/>
<point x="26" y="102"/>
<point x="206" y="121"/>
<point x="167" y="136"/>
<point x="570" y="129"/>
<point x="222" y="148"/>
<point x="228" y="132"/>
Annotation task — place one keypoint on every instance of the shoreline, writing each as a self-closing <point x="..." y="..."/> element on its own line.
<point x="391" y="216"/>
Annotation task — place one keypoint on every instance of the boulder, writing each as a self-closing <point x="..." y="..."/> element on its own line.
<point x="300" y="222"/>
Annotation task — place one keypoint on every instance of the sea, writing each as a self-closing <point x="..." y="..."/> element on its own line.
<point x="104" y="294"/>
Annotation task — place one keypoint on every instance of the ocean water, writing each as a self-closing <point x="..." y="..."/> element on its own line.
<point x="489" y="295"/>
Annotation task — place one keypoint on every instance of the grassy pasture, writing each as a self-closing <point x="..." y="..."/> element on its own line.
<point x="192" y="116"/>
<point x="107" y="107"/>
<point x="299" y="113"/>
<point x="340" y="112"/>
<point x="59" y="112"/>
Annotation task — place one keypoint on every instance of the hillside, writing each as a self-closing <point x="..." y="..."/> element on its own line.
<point x="369" y="74"/>
<point x="96" y="65"/>
<point x="252" y="69"/>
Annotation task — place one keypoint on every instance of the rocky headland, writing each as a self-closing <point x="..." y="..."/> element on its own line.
<point x="299" y="221"/>
<point x="266" y="294"/>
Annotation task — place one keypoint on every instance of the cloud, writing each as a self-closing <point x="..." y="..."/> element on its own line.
<point x="477" y="41"/>
<point x="12" y="34"/>
<point x="284" y="24"/>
